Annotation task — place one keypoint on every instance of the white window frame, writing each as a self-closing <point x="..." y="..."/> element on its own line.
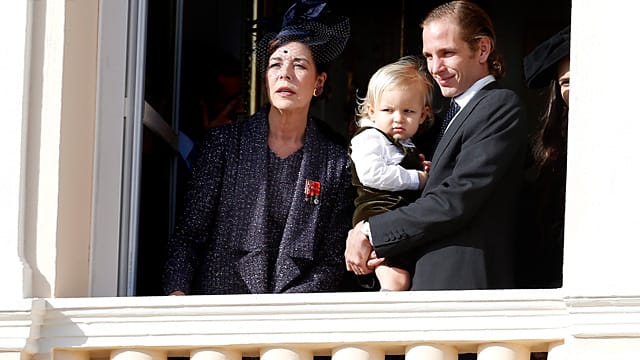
<point x="119" y="109"/>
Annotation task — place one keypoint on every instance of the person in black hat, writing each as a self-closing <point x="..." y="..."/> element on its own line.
<point x="547" y="66"/>
<point x="270" y="197"/>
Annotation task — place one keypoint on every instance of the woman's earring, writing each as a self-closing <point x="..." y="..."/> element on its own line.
<point x="315" y="92"/>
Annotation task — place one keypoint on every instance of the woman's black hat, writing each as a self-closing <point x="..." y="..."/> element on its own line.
<point x="540" y="64"/>
<point x="311" y="23"/>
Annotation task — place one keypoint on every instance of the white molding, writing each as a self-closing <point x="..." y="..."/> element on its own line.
<point x="464" y="320"/>
<point x="320" y="321"/>
<point x="17" y="320"/>
<point x="604" y="317"/>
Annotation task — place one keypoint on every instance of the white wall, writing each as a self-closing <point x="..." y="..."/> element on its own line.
<point x="13" y="27"/>
<point x="602" y="242"/>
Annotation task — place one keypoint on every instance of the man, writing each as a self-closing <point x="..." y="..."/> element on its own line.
<point x="461" y="231"/>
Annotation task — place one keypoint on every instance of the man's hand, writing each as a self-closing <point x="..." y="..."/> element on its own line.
<point x="359" y="252"/>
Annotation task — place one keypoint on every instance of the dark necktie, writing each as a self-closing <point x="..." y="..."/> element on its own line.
<point x="453" y="110"/>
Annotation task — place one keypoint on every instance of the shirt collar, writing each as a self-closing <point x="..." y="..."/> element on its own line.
<point x="464" y="98"/>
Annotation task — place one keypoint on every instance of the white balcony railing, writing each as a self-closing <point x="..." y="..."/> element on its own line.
<point x="509" y="324"/>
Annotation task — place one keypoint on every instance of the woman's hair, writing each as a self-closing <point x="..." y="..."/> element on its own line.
<point x="474" y="24"/>
<point x="550" y="141"/>
<point x="408" y="71"/>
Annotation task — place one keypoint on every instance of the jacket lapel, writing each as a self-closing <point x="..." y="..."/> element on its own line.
<point x="457" y="123"/>
<point x="250" y="236"/>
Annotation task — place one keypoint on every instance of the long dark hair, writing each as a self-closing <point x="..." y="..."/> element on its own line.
<point x="550" y="141"/>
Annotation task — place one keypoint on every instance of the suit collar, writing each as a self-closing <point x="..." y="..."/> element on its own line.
<point x="463" y="99"/>
<point x="462" y="115"/>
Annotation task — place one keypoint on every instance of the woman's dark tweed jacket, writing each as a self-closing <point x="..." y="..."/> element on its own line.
<point x="220" y="244"/>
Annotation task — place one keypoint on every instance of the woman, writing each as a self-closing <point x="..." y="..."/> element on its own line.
<point x="270" y="200"/>
<point x="547" y="66"/>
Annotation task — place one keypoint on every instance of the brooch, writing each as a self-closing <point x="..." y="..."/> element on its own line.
<point x="312" y="191"/>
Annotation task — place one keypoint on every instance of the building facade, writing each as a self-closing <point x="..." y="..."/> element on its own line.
<point x="72" y="103"/>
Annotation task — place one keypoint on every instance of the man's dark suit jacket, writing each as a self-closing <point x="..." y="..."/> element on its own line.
<point x="461" y="231"/>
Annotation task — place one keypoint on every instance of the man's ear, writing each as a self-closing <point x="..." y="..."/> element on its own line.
<point x="484" y="49"/>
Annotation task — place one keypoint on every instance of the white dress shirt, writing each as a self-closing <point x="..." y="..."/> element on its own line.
<point x="377" y="161"/>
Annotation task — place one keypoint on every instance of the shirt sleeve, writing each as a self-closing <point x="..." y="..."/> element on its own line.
<point x="377" y="160"/>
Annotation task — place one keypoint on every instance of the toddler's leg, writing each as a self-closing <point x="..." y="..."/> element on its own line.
<point x="392" y="278"/>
